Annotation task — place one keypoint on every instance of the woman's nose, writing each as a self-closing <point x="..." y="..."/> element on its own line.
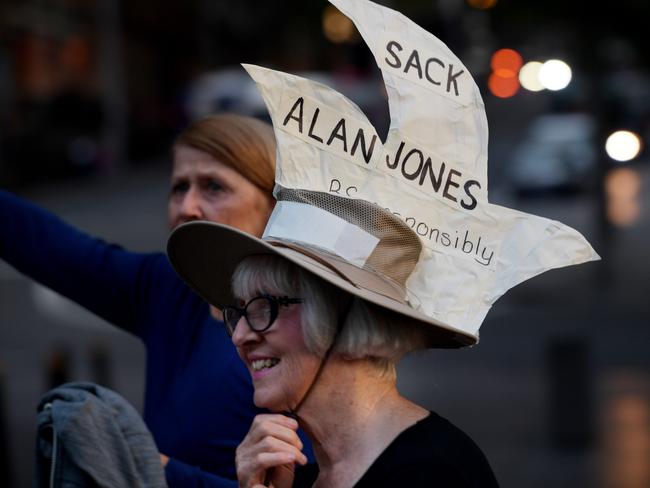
<point x="191" y="206"/>
<point x="243" y="334"/>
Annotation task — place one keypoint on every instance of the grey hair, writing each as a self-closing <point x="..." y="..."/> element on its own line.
<point x="369" y="330"/>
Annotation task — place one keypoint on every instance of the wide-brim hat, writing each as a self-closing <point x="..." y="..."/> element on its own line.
<point x="206" y="254"/>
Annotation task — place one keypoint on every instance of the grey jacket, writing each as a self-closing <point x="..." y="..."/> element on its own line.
<point x="89" y="436"/>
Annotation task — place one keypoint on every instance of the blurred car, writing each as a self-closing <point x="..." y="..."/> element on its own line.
<point x="557" y="154"/>
<point x="233" y="90"/>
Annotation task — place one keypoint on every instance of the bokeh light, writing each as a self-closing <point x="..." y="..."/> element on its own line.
<point x="622" y="188"/>
<point x="506" y="59"/>
<point x="503" y="81"/>
<point x="555" y="74"/>
<point x="529" y="76"/>
<point x="623" y="145"/>
<point x="482" y="4"/>
<point x="503" y="86"/>
<point x="337" y="27"/>
<point x="625" y="432"/>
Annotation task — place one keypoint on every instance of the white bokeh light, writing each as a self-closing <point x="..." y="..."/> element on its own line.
<point x="555" y="74"/>
<point x="336" y="26"/>
<point x="529" y="76"/>
<point x="623" y="145"/>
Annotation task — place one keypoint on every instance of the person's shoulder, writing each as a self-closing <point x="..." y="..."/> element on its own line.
<point x="441" y="443"/>
<point x="432" y="451"/>
<point x="158" y="267"/>
<point x="437" y="428"/>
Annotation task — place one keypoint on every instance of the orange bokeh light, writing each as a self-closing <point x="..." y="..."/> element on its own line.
<point x="507" y="59"/>
<point x="505" y="73"/>
<point x="622" y="186"/>
<point x="503" y="86"/>
<point x="482" y="4"/>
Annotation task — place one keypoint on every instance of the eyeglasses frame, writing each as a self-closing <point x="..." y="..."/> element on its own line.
<point x="275" y="301"/>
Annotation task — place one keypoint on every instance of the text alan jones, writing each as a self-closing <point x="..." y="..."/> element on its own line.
<point x="347" y="137"/>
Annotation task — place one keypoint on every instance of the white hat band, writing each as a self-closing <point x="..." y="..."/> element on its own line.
<point x="314" y="227"/>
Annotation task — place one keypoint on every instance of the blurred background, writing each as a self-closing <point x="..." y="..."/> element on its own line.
<point x="92" y="93"/>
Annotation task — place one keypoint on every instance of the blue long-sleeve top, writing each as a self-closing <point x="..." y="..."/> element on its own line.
<point x="198" y="394"/>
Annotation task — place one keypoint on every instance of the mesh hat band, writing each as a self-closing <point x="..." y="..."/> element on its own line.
<point x="398" y="248"/>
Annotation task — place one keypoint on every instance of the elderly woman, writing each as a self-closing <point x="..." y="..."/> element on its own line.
<point x="323" y="351"/>
<point x="363" y="431"/>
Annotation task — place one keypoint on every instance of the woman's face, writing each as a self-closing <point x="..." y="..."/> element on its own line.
<point x="278" y="360"/>
<point x="203" y="188"/>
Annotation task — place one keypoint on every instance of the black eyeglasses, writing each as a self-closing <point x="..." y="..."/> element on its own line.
<point x="260" y="312"/>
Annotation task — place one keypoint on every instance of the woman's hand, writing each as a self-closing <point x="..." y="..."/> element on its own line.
<point x="164" y="460"/>
<point x="268" y="453"/>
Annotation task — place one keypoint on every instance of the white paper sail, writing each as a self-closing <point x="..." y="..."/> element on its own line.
<point x="435" y="105"/>
<point x="431" y="172"/>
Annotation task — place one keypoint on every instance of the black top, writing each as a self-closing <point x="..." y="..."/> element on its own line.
<point x="432" y="452"/>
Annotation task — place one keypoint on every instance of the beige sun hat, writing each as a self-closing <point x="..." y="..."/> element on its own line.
<point x="392" y="255"/>
<point x="404" y="224"/>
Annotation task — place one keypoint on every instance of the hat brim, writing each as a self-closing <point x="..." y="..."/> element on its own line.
<point x="206" y="254"/>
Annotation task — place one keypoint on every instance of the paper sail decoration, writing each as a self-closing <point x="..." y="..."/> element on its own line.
<point x="431" y="171"/>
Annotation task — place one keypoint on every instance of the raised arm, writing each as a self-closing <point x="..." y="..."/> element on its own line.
<point x="101" y="277"/>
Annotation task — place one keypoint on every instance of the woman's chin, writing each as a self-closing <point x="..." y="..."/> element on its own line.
<point x="270" y="402"/>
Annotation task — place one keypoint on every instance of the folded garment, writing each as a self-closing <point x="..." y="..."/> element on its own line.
<point x="90" y="436"/>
